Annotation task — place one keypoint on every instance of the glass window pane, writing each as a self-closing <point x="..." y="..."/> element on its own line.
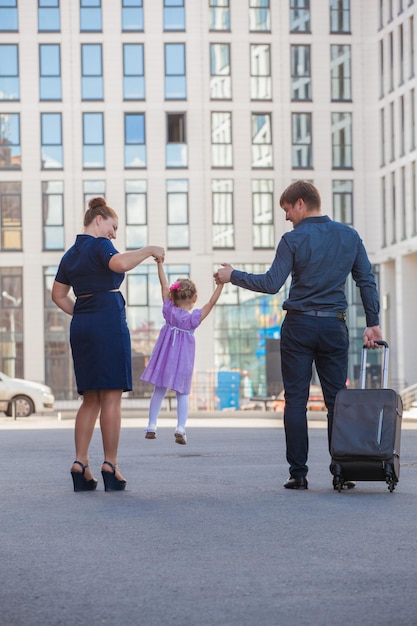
<point x="10" y="152"/>
<point x="9" y="72"/>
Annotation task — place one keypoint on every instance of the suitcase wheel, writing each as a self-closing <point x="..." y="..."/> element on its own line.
<point x="389" y="478"/>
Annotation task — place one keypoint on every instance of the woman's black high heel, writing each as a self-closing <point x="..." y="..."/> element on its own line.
<point x="111" y="483"/>
<point x="79" y="480"/>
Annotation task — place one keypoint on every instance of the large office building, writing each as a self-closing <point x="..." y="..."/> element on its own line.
<point x="190" y="117"/>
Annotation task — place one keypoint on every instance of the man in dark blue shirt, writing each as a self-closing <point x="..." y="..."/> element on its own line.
<point x="320" y="254"/>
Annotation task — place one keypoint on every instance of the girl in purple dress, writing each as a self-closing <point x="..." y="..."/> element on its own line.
<point x="172" y="360"/>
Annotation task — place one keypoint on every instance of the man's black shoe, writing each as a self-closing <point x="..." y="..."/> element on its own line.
<point x="347" y="484"/>
<point x="296" y="483"/>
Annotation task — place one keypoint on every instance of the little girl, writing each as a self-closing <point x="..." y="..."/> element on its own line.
<point x="172" y="360"/>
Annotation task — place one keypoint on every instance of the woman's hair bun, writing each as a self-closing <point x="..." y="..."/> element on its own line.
<point x="96" y="202"/>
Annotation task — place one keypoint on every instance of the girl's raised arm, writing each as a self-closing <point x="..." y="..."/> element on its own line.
<point x="210" y="304"/>
<point x="163" y="280"/>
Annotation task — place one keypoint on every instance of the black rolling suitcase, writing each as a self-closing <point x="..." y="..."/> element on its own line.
<point x="366" y="433"/>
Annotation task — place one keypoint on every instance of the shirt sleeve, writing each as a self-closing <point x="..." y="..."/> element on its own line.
<point x="274" y="278"/>
<point x="364" y="279"/>
<point x="105" y="250"/>
<point x="61" y="275"/>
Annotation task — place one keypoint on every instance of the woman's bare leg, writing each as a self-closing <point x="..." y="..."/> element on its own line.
<point x="84" y="427"/>
<point x="110" y="423"/>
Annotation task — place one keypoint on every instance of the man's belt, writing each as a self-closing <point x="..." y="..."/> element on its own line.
<point x="341" y="315"/>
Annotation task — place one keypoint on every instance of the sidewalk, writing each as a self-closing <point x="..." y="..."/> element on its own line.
<point x="204" y="534"/>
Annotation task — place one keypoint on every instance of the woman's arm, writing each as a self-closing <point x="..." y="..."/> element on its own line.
<point x="210" y="304"/>
<point x="125" y="261"/>
<point x="60" y="295"/>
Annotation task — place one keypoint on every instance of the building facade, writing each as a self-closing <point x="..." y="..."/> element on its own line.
<point x="191" y="117"/>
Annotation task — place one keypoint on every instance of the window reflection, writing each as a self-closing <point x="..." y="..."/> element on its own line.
<point x="10" y="150"/>
<point x="93" y="140"/>
<point x="222" y="200"/>
<point x="51" y="137"/>
<point x="50" y="72"/>
<point x="132" y="15"/>
<point x="9" y="72"/>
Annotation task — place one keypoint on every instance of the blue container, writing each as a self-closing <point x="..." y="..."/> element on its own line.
<point x="228" y="390"/>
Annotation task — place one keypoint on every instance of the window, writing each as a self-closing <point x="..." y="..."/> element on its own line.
<point x="414" y="197"/>
<point x="92" y="72"/>
<point x="222" y="202"/>
<point x="381" y="69"/>
<point x="393" y="209"/>
<point x="382" y="130"/>
<point x="174" y="15"/>
<point x="403" y="205"/>
<point x="52" y="156"/>
<point x="48" y="16"/>
<point x="402" y="125"/>
<point x="59" y="369"/>
<point x="392" y="130"/>
<point x="221" y="140"/>
<point x="413" y="119"/>
<point x="93" y="140"/>
<point x="300" y="73"/>
<point x="261" y="140"/>
<point x="260" y="70"/>
<point x="53" y="215"/>
<point x="176" y="148"/>
<point x="50" y="72"/>
<point x="10" y="150"/>
<point x="391" y="61"/>
<point x="340" y="72"/>
<point x="135" y="145"/>
<point x="132" y="15"/>
<point x="259" y="15"/>
<point x="136" y="214"/>
<point x="93" y="189"/>
<point x="133" y="72"/>
<point x="342" y="140"/>
<point x="8" y="15"/>
<point x="90" y="16"/>
<point x="263" y="213"/>
<point x="245" y="325"/>
<point x="11" y="311"/>
<point x="299" y="16"/>
<point x="343" y="201"/>
<point x="11" y="216"/>
<point x="219" y="14"/>
<point x="411" y="39"/>
<point x="340" y="16"/>
<point x="9" y="72"/>
<point x="175" y="78"/>
<point x="302" y="156"/>
<point x="220" y="79"/>
<point x="384" y="212"/>
<point x="401" y="55"/>
<point x="178" y="235"/>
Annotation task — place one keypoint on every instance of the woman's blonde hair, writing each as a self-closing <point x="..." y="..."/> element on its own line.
<point x="98" y="206"/>
<point x="182" y="289"/>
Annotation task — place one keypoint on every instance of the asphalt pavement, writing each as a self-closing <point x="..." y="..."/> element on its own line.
<point x="204" y="535"/>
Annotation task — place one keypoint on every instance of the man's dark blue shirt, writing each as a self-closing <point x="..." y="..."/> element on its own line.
<point x="320" y="254"/>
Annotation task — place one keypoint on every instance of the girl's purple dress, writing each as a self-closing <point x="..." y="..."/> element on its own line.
<point x="172" y="360"/>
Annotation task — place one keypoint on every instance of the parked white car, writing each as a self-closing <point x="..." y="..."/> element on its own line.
<point x="20" y="398"/>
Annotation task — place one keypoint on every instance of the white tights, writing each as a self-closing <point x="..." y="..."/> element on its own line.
<point x="156" y="403"/>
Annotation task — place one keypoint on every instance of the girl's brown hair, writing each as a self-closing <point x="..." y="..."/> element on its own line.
<point x="182" y="289"/>
<point x="98" y="206"/>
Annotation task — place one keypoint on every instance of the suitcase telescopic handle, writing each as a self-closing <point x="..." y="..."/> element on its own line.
<point x="384" y="365"/>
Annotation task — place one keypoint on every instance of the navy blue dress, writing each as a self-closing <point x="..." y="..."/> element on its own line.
<point x="99" y="336"/>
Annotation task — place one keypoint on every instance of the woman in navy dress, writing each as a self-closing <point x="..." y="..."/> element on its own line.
<point x="99" y="336"/>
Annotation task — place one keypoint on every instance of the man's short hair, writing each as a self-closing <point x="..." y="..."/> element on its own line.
<point x="301" y="189"/>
